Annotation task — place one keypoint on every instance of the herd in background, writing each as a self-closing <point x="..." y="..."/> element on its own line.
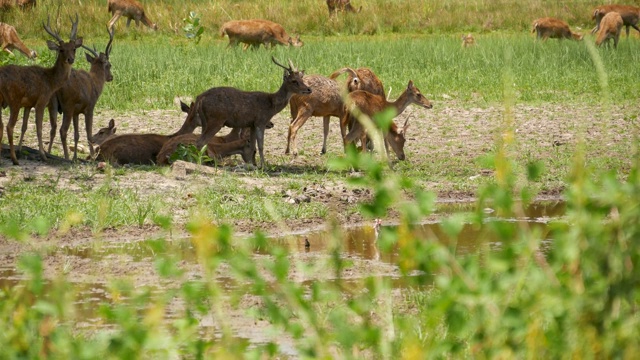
<point x="72" y="92"/>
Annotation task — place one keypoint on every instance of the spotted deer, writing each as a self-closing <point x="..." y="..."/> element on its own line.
<point x="132" y="10"/>
<point x="11" y="41"/>
<point x="610" y="28"/>
<point x="256" y="32"/>
<point x="630" y="16"/>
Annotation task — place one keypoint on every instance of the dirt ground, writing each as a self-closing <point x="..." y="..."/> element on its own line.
<point x="449" y="132"/>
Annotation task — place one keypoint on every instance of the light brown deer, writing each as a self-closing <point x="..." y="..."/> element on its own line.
<point x="132" y="10"/>
<point x="341" y="5"/>
<point x="610" y="28"/>
<point x="326" y="100"/>
<point x="21" y="4"/>
<point x="257" y="32"/>
<point x="549" y="27"/>
<point x="11" y="41"/>
<point x="78" y="96"/>
<point x="227" y="106"/>
<point x="32" y="86"/>
<point x="370" y="104"/>
<point x="468" y="41"/>
<point x="217" y="149"/>
<point x="143" y="149"/>
<point x="630" y="16"/>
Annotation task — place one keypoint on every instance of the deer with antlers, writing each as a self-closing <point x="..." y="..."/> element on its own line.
<point x="32" y="86"/>
<point x="228" y="106"/>
<point x="369" y="104"/>
<point x="132" y="10"/>
<point x="11" y="41"/>
<point x="79" y="95"/>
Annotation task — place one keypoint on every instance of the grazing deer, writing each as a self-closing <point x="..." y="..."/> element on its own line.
<point x="132" y="10"/>
<point x="227" y="106"/>
<point x="257" y="32"/>
<point x="553" y="28"/>
<point x="32" y="86"/>
<point x="341" y="5"/>
<point x="21" y="4"/>
<point x="468" y="41"/>
<point x="326" y="100"/>
<point x="370" y="104"/>
<point x="11" y="41"/>
<point x="78" y="96"/>
<point x="216" y="149"/>
<point x="630" y="16"/>
<point x="610" y="28"/>
<point x="143" y="149"/>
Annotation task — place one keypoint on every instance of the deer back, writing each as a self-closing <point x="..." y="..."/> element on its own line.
<point x="325" y="98"/>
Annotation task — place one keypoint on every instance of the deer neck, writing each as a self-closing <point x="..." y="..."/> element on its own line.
<point x="60" y="71"/>
<point x="280" y="99"/>
<point x="401" y="103"/>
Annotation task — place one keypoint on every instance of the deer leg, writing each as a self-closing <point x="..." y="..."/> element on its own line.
<point x="88" y="124"/>
<point x="76" y="136"/>
<point x="296" y="124"/>
<point x="64" y="129"/>
<point x="13" y="119"/>
<point x="53" y="121"/>
<point x="39" y="116"/>
<point x="1" y="134"/>
<point x="25" y="120"/>
<point x="325" y="129"/>
<point x="626" y="28"/>
<point x="207" y="134"/>
<point x="259" y="130"/>
<point x="128" y="22"/>
<point x="113" y="20"/>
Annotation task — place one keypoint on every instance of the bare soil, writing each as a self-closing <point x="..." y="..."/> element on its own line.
<point x="451" y="137"/>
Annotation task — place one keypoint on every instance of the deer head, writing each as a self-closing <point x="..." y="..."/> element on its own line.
<point x="102" y="58"/>
<point x="292" y="78"/>
<point x="67" y="50"/>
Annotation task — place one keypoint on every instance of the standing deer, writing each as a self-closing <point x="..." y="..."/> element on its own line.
<point x="553" y="28"/>
<point x="78" y="96"/>
<point x="370" y="104"/>
<point x="32" y="86"/>
<point x="11" y="41"/>
<point x="21" y="4"/>
<point x="630" y="16"/>
<point x="341" y="5"/>
<point x="257" y="32"/>
<point x="610" y="28"/>
<point x="326" y="100"/>
<point x="227" y="106"/>
<point x="132" y="10"/>
<point x="468" y="41"/>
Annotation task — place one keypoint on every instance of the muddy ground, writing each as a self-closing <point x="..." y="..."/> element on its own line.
<point x="450" y="133"/>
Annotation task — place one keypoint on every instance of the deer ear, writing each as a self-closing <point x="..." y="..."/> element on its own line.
<point x="184" y="107"/>
<point x="410" y="84"/>
<point x="112" y="124"/>
<point x="78" y="42"/>
<point x="52" y="45"/>
<point x="89" y="57"/>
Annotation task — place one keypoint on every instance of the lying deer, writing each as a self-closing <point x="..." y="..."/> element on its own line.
<point x="11" y="41"/>
<point x="227" y="106"/>
<point x="341" y="5"/>
<point x="131" y="9"/>
<point x="257" y="32"/>
<point x="553" y="28"/>
<point x="78" y="96"/>
<point x="610" y="28"/>
<point x="630" y="16"/>
<point x="216" y="149"/>
<point x="468" y="41"/>
<point x="143" y="149"/>
<point x="32" y="86"/>
<point x="370" y="104"/>
<point x="326" y="100"/>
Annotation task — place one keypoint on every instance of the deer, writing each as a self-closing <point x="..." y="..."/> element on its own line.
<point x="32" y="86"/>
<point x="217" y="149"/>
<point x="549" y="27"/>
<point x="341" y="5"/>
<point x="326" y="100"/>
<point x="370" y="104"/>
<point x="257" y="32"/>
<point x="103" y="134"/>
<point x="11" y="41"/>
<point x="228" y="106"/>
<point x="21" y="4"/>
<point x="610" y="28"/>
<point x="132" y="10"/>
<point x="630" y="16"/>
<point x="142" y="149"/>
<point x="468" y="41"/>
<point x="79" y="95"/>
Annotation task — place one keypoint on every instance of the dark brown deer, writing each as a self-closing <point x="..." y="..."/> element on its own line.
<point x="341" y="5"/>
<point x="32" y="86"/>
<point x="217" y="149"/>
<point x="103" y="134"/>
<point x="370" y="104"/>
<point x="326" y="100"/>
<point x="143" y="149"/>
<point x="11" y="41"/>
<point x="257" y="32"/>
<point x="630" y="16"/>
<point x="227" y="106"/>
<point x="132" y="10"/>
<point x="78" y="96"/>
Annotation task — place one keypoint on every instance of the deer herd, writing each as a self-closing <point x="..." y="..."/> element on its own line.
<point x="71" y="92"/>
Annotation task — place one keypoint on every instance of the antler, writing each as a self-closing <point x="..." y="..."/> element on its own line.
<point x="289" y="69"/>
<point x="93" y="51"/>
<point x="107" y="50"/>
<point x="55" y="35"/>
<point x="74" y="28"/>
